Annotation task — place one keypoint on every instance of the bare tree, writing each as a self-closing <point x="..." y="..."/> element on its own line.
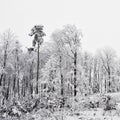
<point x="59" y="51"/>
<point x="107" y="57"/>
<point x="6" y="38"/>
<point x="72" y="38"/>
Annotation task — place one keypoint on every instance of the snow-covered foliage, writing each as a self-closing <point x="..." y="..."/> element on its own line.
<point x="73" y="84"/>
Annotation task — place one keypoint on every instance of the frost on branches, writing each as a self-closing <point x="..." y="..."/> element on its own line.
<point x="57" y="80"/>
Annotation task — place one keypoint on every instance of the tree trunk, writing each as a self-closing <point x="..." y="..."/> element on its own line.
<point x="31" y="78"/>
<point x="18" y="88"/>
<point x="61" y="77"/>
<point x="18" y="84"/>
<point x="109" y="82"/>
<point x="105" y="85"/>
<point x="14" y="84"/>
<point x="4" y="65"/>
<point x="1" y="79"/>
<point x="8" y="89"/>
<point x="37" y="68"/>
<point x="90" y="85"/>
<point x="75" y="73"/>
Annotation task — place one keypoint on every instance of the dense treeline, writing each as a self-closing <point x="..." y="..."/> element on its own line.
<point x="65" y="70"/>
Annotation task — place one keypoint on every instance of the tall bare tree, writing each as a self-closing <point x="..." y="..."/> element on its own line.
<point x="72" y="38"/>
<point x="107" y="57"/>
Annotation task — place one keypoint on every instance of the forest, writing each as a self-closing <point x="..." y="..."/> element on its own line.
<point x="56" y="79"/>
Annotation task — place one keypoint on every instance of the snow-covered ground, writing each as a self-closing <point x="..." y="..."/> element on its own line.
<point x="94" y="115"/>
<point x="97" y="114"/>
<point x="76" y="112"/>
<point x="93" y="118"/>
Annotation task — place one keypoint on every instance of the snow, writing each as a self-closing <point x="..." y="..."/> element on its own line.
<point x="90" y="115"/>
<point x="93" y="118"/>
<point x="97" y="113"/>
<point x="116" y="96"/>
<point x="94" y="114"/>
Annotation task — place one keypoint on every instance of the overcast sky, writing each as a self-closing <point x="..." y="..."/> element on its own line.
<point x="99" y="20"/>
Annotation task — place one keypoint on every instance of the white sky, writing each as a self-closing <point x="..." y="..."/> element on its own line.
<point x="98" y="19"/>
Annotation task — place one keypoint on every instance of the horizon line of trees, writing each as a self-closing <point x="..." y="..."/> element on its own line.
<point x="64" y="69"/>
